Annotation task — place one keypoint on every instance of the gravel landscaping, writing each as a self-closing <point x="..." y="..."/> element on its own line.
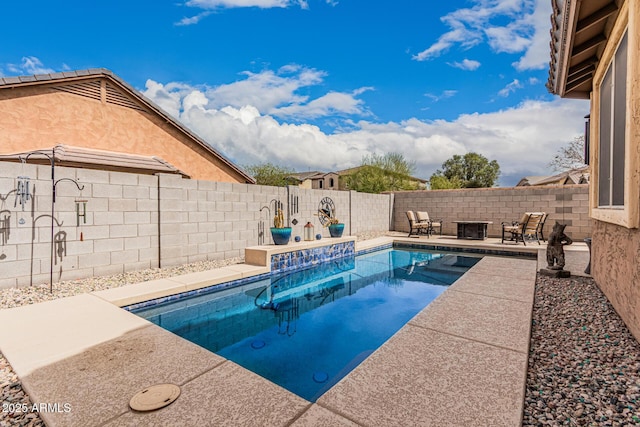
<point x="584" y="365"/>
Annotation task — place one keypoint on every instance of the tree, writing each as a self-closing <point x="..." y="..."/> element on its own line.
<point x="376" y="174"/>
<point x="270" y="174"/>
<point x="440" y="182"/>
<point x="570" y="156"/>
<point x="472" y="170"/>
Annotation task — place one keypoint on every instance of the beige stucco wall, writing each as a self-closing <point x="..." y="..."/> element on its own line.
<point x="615" y="267"/>
<point x="40" y="117"/>
<point x="616" y="238"/>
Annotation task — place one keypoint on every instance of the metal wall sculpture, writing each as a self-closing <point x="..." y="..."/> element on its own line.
<point x="23" y="193"/>
<point x="26" y="195"/>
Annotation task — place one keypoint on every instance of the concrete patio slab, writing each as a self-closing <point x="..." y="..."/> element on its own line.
<point x="514" y="288"/>
<point x="98" y="383"/>
<point x="203" y="279"/>
<point x="56" y="330"/>
<point x="131" y="294"/>
<point x="228" y="395"/>
<point x="373" y="243"/>
<point x="422" y="377"/>
<point x="247" y="270"/>
<point x="515" y="268"/>
<point x="485" y="319"/>
<point x="461" y="362"/>
<point x="319" y="416"/>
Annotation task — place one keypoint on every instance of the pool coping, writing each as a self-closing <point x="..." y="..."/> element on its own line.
<point x="47" y="361"/>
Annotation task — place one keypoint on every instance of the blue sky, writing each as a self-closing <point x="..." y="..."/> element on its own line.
<point x="318" y="84"/>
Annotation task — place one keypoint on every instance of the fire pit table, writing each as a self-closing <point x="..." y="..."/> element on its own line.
<point x="472" y="230"/>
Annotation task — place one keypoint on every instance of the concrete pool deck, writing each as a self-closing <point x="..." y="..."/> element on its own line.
<point x="460" y="361"/>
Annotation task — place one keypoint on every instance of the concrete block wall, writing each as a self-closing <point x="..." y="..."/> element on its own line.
<point x="120" y="233"/>
<point x="204" y="220"/>
<point x="567" y="204"/>
<point x="309" y="201"/>
<point x="370" y="212"/>
<point x="135" y="222"/>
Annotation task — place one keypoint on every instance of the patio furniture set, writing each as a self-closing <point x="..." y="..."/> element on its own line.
<point x="529" y="227"/>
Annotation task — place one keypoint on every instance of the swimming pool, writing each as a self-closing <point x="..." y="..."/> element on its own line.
<point x="307" y="329"/>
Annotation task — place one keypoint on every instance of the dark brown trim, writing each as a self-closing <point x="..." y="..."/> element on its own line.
<point x="596" y="17"/>
<point x="589" y="44"/>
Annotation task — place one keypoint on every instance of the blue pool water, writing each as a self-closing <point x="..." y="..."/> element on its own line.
<point x="306" y="330"/>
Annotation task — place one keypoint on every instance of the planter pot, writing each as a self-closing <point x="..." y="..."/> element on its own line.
<point x="281" y="236"/>
<point x="336" y="230"/>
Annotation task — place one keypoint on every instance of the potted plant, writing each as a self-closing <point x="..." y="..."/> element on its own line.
<point x="335" y="227"/>
<point x="327" y="216"/>
<point x="279" y="232"/>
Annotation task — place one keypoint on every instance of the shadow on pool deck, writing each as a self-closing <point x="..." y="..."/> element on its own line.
<point x="461" y="361"/>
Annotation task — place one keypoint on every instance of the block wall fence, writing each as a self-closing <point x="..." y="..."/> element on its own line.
<point x="135" y="222"/>
<point x="567" y="204"/>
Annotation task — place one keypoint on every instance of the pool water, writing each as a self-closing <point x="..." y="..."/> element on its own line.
<point x="306" y="330"/>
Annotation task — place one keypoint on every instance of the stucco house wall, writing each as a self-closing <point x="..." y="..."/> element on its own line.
<point x="104" y="116"/>
<point x="616" y="242"/>
<point x="594" y="31"/>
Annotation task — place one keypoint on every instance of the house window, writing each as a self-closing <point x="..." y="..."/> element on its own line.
<point x="613" y="112"/>
<point x="320" y="183"/>
<point x="330" y="182"/>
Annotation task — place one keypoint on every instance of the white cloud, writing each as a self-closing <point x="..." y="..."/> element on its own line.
<point x="513" y="137"/>
<point x="263" y="4"/>
<point x="537" y="55"/>
<point x="29" y="65"/>
<point x="510" y="88"/>
<point x="267" y="90"/>
<point x="512" y="38"/>
<point x="444" y="95"/>
<point x="466" y="64"/>
<point x="526" y="30"/>
<point x="209" y="5"/>
<point x="271" y="92"/>
<point x="192" y="20"/>
<point x="459" y="34"/>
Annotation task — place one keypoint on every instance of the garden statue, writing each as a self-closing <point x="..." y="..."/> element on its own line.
<point x="555" y="251"/>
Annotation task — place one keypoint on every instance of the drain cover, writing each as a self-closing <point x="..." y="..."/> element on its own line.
<point x="154" y="397"/>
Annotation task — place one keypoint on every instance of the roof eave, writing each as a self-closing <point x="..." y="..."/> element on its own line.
<point x="93" y="73"/>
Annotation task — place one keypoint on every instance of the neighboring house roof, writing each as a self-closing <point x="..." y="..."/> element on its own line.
<point x="572" y="176"/>
<point x="531" y="180"/>
<point x="302" y="176"/>
<point x="579" y="30"/>
<point x="67" y="155"/>
<point x="80" y="75"/>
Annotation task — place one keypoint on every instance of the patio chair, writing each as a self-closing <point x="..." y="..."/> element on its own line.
<point x="424" y="217"/>
<point x="416" y="227"/>
<point x="541" y="226"/>
<point x="526" y="228"/>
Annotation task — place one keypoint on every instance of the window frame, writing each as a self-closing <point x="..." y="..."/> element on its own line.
<point x="626" y="215"/>
<point x="611" y="195"/>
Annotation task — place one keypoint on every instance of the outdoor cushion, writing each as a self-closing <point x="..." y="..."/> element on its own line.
<point x="422" y="216"/>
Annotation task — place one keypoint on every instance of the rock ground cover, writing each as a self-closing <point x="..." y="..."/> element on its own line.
<point x="584" y="365"/>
